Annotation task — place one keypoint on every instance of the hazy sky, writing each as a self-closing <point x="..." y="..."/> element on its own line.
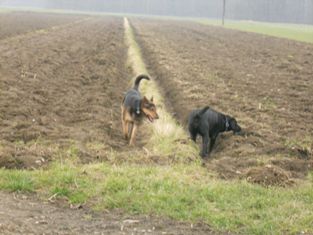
<point x="291" y="11"/>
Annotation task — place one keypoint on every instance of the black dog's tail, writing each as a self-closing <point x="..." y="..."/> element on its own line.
<point x="138" y="79"/>
<point x="198" y="116"/>
<point x="202" y="111"/>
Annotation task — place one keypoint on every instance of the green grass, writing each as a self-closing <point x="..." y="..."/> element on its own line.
<point x="182" y="192"/>
<point x="302" y="33"/>
<point x="4" y="10"/>
<point x="305" y="144"/>
<point x="16" y="181"/>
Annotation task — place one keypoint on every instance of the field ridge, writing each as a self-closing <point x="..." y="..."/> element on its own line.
<point x="167" y="135"/>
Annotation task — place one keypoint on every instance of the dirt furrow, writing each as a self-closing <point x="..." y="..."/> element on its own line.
<point x="63" y="86"/>
<point x="264" y="82"/>
<point x="18" y="23"/>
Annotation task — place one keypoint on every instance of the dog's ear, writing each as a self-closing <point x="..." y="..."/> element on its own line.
<point x="151" y="99"/>
<point x="145" y="99"/>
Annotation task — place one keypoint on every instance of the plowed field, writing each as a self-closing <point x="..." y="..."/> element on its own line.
<point x="62" y="79"/>
<point x="59" y="86"/>
<point x="265" y="82"/>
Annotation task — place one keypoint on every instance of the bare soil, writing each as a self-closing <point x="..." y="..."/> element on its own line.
<point x="25" y="214"/>
<point x="17" y="23"/>
<point x="265" y="82"/>
<point x="61" y="89"/>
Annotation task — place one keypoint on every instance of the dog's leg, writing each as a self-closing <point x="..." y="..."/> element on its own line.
<point x="193" y="136"/>
<point x="212" y="142"/>
<point x="124" y="124"/>
<point x="125" y="129"/>
<point x="130" y="129"/>
<point x="205" y="140"/>
<point x="133" y="134"/>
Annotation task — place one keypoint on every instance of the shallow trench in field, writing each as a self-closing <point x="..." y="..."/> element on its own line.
<point x="196" y="65"/>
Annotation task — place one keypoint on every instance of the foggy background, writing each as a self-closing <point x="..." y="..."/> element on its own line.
<point x="288" y="11"/>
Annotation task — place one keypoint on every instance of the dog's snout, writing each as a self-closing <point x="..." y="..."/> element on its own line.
<point x="238" y="130"/>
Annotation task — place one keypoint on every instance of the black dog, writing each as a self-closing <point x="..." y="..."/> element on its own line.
<point x="209" y="123"/>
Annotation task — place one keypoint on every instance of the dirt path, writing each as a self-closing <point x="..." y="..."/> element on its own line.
<point x="264" y="82"/>
<point x="20" y="214"/>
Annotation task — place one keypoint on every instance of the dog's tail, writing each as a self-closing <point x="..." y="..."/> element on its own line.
<point x="198" y="116"/>
<point x="202" y="111"/>
<point x="138" y="79"/>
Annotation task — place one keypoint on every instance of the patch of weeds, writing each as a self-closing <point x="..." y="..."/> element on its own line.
<point x="78" y="197"/>
<point x="96" y="146"/>
<point x="166" y="132"/>
<point x="61" y="191"/>
<point x="16" y="181"/>
<point x="19" y="143"/>
<point x="182" y="192"/>
<point x="291" y="31"/>
<point x="268" y="103"/>
<point x="303" y="146"/>
<point x="4" y="10"/>
<point x="215" y="77"/>
<point x="72" y="151"/>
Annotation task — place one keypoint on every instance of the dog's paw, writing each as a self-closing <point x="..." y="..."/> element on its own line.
<point x="204" y="155"/>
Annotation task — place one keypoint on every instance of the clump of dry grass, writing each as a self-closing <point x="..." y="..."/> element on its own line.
<point x="168" y="137"/>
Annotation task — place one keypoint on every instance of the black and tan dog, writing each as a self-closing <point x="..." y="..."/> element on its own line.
<point x="209" y="123"/>
<point x="135" y="109"/>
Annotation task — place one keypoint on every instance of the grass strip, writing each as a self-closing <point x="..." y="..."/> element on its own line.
<point x="303" y="33"/>
<point x="168" y="137"/>
<point x="183" y="192"/>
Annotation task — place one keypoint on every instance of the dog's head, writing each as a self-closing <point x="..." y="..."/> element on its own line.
<point x="194" y="121"/>
<point x="233" y="125"/>
<point x="193" y="124"/>
<point x="149" y="109"/>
